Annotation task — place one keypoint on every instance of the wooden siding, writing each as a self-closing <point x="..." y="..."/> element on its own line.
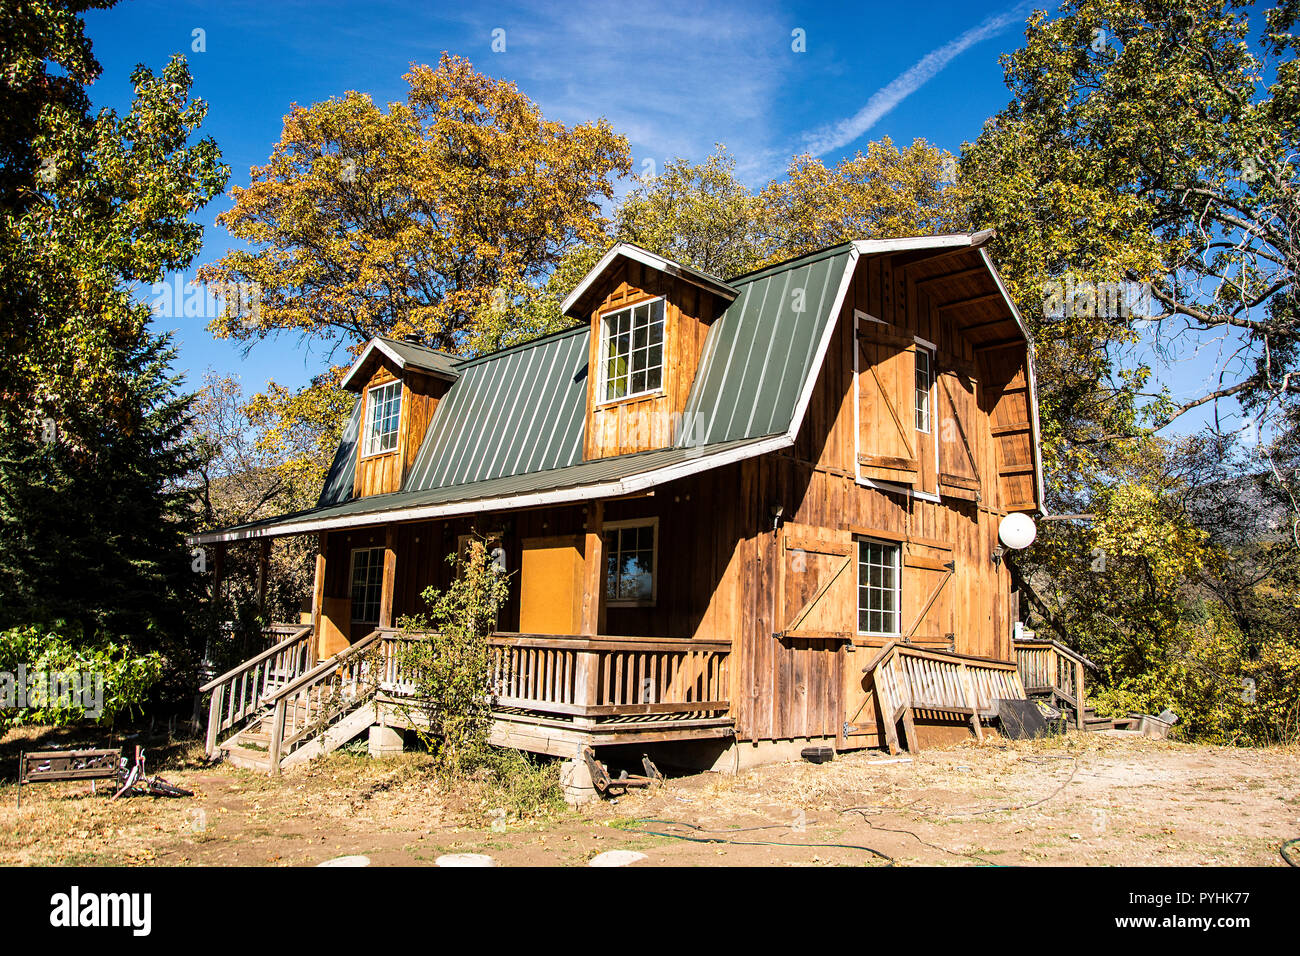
<point x="386" y="472"/>
<point x="784" y="594"/>
<point x="647" y="421"/>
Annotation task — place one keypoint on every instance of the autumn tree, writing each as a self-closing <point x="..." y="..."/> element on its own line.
<point x="700" y="215"/>
<point x="411" y="219"/>
<point x="884" y="193"/>
<point x="704" y="216"/>
<point x="1147" y="146"/>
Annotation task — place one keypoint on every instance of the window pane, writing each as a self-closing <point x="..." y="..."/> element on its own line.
<point x="633" y="353"/>
<point x="640" y="329"/>
<point x="878" y="587"/>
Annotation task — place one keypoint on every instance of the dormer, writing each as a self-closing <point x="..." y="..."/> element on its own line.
<point x="649" y="319"/>
<point x="399" y="383"/>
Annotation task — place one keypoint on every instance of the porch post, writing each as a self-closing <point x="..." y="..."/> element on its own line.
<point x="390" y="577"/>
<point x="263" y="562"/>
<point x="593" y="566"/>
<point x="318" y="593"/>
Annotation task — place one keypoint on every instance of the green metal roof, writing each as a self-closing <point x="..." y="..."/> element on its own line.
<point x="422" y="357"/>
<point x="405" y="355"/>
<point x="464" y="498"/>
<point x="511" y="412"/>
<point x="760" y="354"/>
<point x="511" y="422"/>
<point x="339" y="479"/>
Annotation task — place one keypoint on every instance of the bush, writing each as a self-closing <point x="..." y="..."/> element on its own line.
<point x="1222" y="692"/>
<point x="40" y="653"/>
<point x="449" y="662"/>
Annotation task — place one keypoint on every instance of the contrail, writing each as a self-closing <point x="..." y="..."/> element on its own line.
<point x="839" y="135"/>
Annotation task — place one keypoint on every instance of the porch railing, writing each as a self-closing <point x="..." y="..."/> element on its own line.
<point x="907" y="679"/>
<point x="1049" y="667"/>
<point x="241" y="692"/>
<point x="593" y="678"/>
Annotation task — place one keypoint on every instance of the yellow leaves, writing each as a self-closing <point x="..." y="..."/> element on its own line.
<point x="884" y="193"/>
<point x="364" y="217"/>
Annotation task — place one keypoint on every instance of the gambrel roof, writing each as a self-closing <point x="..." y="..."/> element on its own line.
<point x="508" y="433"/>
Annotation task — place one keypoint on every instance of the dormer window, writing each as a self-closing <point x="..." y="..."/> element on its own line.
<point x="632" y="351"/>
<point x="383" y="414"/>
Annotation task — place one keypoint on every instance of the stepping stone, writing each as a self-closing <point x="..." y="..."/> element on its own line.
<point x="357" y="860"/>
<point x="617" y="858"/>
<point x="465" y="859"/>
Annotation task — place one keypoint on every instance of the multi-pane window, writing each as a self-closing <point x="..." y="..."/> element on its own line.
<point x="924" y="361"/>
<point x="383" y="413"/>
<point x="367" y="583"/>
<point x="633" y="350"/>
<point x="630" y="563"/>
<point x="879" y="595"/>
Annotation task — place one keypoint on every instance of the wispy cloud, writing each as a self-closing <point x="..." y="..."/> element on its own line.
<point x="838" y="135"/>
<point x="674" y="77"/>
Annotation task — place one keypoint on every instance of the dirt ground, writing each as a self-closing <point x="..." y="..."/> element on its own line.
<point x="1094" y="799"/>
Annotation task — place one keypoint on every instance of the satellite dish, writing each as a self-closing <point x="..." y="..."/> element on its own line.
<point x="1017" y="531"/>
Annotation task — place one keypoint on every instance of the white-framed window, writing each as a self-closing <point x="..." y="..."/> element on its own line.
<point x="879" y="588"/>
<point x="924" y="379"/>
<point x="367" y="583"/>
<point x="383" y="414"/>
<point x="631" y="561"/>
<point x="632" y="351"/>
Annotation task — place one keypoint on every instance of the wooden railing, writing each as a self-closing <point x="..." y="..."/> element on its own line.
<point x="907" y="679"/>
<point x="592" y="677"/>
<point x="605" y="677"/>
<point x="308" y="705"/>
<point x="1049" y="667"/>
<point x="243" y="691"/>
<point x="280" y="630"/>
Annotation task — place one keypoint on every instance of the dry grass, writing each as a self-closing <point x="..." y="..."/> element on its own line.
<point x="1083" y="799"/>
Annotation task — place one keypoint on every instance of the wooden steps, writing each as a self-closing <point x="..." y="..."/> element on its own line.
<point x="1094" y="723"/>
<point x="247" y="758"/>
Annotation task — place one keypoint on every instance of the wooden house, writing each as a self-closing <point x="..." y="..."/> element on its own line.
<point x="739" y="516"/>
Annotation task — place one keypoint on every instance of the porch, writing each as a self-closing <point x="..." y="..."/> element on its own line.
<point x="551" y="694"/>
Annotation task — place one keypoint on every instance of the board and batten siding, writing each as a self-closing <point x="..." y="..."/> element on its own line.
<point x="648" y="421"/>
<point x="386" y="472"/>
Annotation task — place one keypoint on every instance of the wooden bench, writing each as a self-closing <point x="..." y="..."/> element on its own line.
<point x="50" y="765"/>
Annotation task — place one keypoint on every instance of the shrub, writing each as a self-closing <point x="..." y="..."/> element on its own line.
<point x="40" y="652"/>
<point x="449" y="664"/>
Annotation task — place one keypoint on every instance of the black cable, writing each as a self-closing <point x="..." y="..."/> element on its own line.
<point x="723" y="840"/>
<point x="933" y="846"/>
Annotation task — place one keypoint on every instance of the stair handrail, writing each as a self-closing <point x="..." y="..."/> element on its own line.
<point x="318" y="674"/>
<point x="1060" y="648"/>
<point x="223" y="710"/>
<point x="252" y="662"/>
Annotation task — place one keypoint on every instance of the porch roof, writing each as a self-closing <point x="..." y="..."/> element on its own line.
<point x="599" y="478"/>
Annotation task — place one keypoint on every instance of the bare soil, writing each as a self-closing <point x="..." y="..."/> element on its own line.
<point x="1094" y="799"/>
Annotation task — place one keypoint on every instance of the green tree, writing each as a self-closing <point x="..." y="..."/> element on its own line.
<point x="1149" y="143"/>
<point x="884" y="193"/>
<point x="699" y="215"/>
<point x="449" y="659"/>
<point x="94" y="493"/>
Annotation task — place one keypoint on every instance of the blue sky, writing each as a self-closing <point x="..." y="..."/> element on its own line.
<point x="674" y="77"/>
